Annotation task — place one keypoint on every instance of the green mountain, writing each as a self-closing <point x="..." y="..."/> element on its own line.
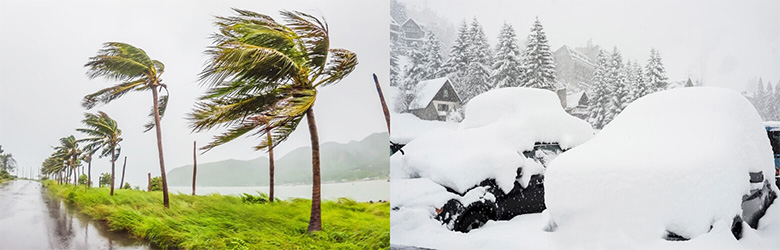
<point x="368" y="158"/>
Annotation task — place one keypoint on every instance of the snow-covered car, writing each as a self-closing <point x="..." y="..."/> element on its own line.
<point x="773" y="131"/>
<point x="493" y="164"/>
<point x="674" y="164"/>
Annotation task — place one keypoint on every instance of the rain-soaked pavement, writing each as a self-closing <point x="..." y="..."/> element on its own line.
<point x="31" y="219"/>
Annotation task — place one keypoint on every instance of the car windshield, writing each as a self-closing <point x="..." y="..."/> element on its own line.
<point x="774" y="139"/>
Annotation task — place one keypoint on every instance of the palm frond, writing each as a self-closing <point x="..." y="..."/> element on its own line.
<point x="313" y="34"/>
<point x="111" y="93"/>
<point x="162" y="105"/>
<point x="341" y="64"/>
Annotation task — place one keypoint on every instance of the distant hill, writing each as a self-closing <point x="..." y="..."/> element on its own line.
<point x="368" y="158"/>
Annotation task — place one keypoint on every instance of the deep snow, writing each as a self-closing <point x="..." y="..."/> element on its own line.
<point x="647" y="154"/>
<point x="499" y="125"/>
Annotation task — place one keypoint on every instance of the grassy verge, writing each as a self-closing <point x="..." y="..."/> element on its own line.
<point x="227" y="222"/>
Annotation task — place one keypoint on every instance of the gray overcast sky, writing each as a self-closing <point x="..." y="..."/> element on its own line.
<point x="727" y="43"/>
<point x="44" y="45"/>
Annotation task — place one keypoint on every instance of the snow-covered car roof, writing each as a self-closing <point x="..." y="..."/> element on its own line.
<point x="498" y="126"/>
<point x="677" y="160"/>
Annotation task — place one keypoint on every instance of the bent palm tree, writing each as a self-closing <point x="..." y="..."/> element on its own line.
<point x="7" y="162"/>
<point x="263" y="76"/>
<point x="69" y="152"/>
<point x="136" y="71"/>
<point x="103" y="134"/>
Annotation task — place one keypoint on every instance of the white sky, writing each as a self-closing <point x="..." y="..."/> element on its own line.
<point x="44" y="45"/>
<point x="727" y="43"/>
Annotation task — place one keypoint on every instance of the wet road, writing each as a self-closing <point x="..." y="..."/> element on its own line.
<point x="30" y="219"/>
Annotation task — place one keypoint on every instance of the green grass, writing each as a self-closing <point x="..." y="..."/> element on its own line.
<point x="227" y="222"/>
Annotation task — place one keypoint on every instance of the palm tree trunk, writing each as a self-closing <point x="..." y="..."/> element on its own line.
<point x="113" y="158"/>
<point x="315" y="220"/>
<point x="89" y="172"/>
<point x="194" y="164"/>
<point x="270" y="164"/>
<point x="159" y="146"/>
<point x="122" y="181"/>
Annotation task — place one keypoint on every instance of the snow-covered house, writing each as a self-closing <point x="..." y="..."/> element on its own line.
<point x="577" y="104"/>
<point x="435" y="99"/>
<point x="395" y="30"/>
<point x="412" y="33"/>
<point x="574" y="67"/>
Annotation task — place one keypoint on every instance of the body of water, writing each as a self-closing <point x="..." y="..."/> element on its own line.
<point x="362" y="191"/>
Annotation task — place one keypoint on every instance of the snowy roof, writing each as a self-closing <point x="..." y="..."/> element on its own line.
<point x="426" y="90"/>
<point x="772" y="125"/>
<point x="578" y="56"/>
<point x="573" y="99"/>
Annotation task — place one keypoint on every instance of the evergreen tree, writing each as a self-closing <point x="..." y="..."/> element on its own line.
<point x="458" y="60"/>
<point x="776" y="102"/>
<point x="477" y="79"/>
<point x="759" y="98"/>
<point x="631" y="84"/>
<point x="599" y="92"/>
<point x="538" y="64"/>
<point x="414" y="72"/>
<point x="656" y="73"/>
<point x="770" y="110"/>
<point x="507" y="68"/>
<point x="616" y="80"/>
<point x="641" y="87"/>
<point x="395" y="69"/>
<point x="398" y="11"/>
<point x="432" y="60"/>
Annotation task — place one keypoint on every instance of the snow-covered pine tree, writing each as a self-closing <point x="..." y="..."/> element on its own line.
<point x="640" y="86"/>
<point x="769" y="110"/>
<point x="414" y="72"/>
<point x="398" y="11"/>
<point x="759" y="98"/>
<point x="395" y="69"/>
<point x="458" y="59"/>
<point x="599" y="92"/>
<point x="616" y="80"/>
<point x="538" y="64"/>
<point x="776" y="102"/>
<point x="656" y="73"/>
<point x="477" y="79"/>
<point x="433" y="62"/>
<point x="507" y="66"/>
<point x="631" y="84"/>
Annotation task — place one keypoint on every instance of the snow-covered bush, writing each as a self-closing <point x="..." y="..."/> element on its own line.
<point x="498" y="126"/>
<point x="676" y="160"/>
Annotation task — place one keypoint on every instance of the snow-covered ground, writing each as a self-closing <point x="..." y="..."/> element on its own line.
<point x="677" y="159"/>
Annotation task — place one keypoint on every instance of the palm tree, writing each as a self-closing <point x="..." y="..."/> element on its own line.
<point x="264" y="76"/>
<point x="136" y="71"/>
<point x="103" y="133"/>
<point x="69" y="152"/>
<point x="87" y="156"/>
<point x="7" y="162"/>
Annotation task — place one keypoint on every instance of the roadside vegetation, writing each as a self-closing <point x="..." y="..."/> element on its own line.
<point x="230" y="222"/>
<point x="7" y="164"/>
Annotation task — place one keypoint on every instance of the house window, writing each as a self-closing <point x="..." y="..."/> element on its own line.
<point x="443" y="107"/>
<point x="446" y="93"/>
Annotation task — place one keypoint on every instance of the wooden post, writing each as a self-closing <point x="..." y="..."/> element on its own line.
<point x="194" y="164"/>
<point x="122" y="182"/>
<point x="149" y="181"/>
<point x="382" y="101"/>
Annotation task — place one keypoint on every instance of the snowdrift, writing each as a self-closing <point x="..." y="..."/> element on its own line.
<point x="674" y="160"/>
<point x="498" y="126"/>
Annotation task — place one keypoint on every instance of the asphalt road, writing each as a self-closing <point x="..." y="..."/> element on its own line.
<point x="31" y="219"/>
